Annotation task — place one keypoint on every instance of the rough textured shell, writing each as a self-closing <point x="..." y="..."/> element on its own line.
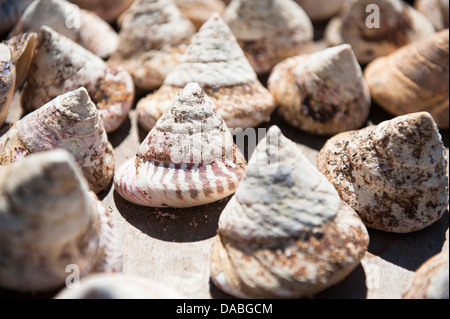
<point x="414" y="78"/>
<point x="79" y="25"/>
<point x="152" y="39"/>
<point x="320" y="10"/>
<point x="431" y="280"/>
<point x="393" y="174"/>
<point x="187" y="159"/>
<point x="106" y="9"/>
<point x="437" y="11"/>
<point x="10" y="12"/>
<point x="285" y="233"/>
<point x="71" y="122"/>
<point x="199" y="11"/>
<point x="7" y="81"/>
<point x="269" y="31"/>
<point x="400" y="24"/>
<point x="214" y="60"/>
<point x="322" y="93"/>
<point x="61" y="65"/>
<point x="50" y="220"/>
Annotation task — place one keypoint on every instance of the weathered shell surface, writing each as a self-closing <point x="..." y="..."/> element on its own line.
<point x="106" y="9"/>
<point x="152" y="39"/>
<point x="199" y="11"/>
<point x="215" y="61"/>
<point x="188" y="158"/>
<point x="437" y="11"/>
<point x="431" y="280"/>
<point x="81" y="26"/>
<point x="119" y="286"/>
<point x="70" y="122"/>
<point x="269" y="31"/>
<point x="320" y="10"/>
<point x="50" y="220"/>
<point x="322" y="93"/>
<point x="399" y="24"/>
<point x="393" y="174"/>
<point x="10" y="12"/>
<point x="7" y="81"/>
<point x="61" y="65"/>
<point x="414" y="78"/>
<point x="285" y="233"/>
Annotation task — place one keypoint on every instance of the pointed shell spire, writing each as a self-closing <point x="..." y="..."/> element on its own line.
<point x="187" y="159"/>
<point x="393" y="174"/>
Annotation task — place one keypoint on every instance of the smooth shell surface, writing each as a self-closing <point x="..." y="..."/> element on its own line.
<point x="322" y="93"/>
<point x="70" y="122"/>
<point x="7" y="81"/>
<point x="437" y="11"/>
<point x="49" y="221"/>
<point x="285" y="233"/>
<point x="320" y="10"/>
<point x="414" y="78"/>
<point x="199" y="11"/>
<point x="393" y="174"/>
<point x="269" y="31"/>
<point x="377" y="31"/>
<point x="215" y="61"/>
<point x="61" y="65"/>
<point x="187" y="159"/>
<point x="152" y="39"/>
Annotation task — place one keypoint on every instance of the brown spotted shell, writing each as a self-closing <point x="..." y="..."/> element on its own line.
<point x="71" y="122"/>
<point x="7" y="81"/>
<point x="414" y="78"/>
<point x="322" y="93"/>
<point x="392" y="174"/>
<point x="51" y="221"/>
<point x="285" y="233"/>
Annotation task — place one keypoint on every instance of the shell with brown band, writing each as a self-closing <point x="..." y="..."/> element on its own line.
<point x="187" y="159"/>
<point x="51" y="221"/>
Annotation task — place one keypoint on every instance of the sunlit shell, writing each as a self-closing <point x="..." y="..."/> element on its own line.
<point x="7" y="81"/>
<point x="322" y="93"/>
<point x="188" y="158"/>
<point x="392" y="174"/>
<point x="269" y="31"/>
<point x="285" y="233"/>
<point x="374" y="29"/>
<point x="106" y="9"/>
<point x="50" y="221"/>
<point x="71" y="122"/>
<point x="199" y="11"/>
<point x="215" y="61"/>
<point x="60" y="65"/>
<point x="414" y="78"/>
<point x="320" y="10"/>
<point x="437" y="11"/>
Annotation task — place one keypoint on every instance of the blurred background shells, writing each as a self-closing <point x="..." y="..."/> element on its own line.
<point x="437" y="11"/>
<point x="199" y="11"/>
<point x="7" y="81"/>
<point x="10" y="12"/>
<point x="106" y="9"/>
<point x="321" y="10"/>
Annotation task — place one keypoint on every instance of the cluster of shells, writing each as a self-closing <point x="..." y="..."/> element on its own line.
<point x="192" y="70"/>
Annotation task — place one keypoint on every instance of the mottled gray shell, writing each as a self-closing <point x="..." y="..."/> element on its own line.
<point x="7" y="81"/>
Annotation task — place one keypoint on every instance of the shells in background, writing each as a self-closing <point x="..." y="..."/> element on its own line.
<point x="106" y="9"/>
<point x="215" y="61"/>
<point x="436" y="11"/>
<point x="414" y="78"/>
<point x="399" y="24"/>
<point x="7" y="81"/>
<point x="119" y="286"/>
<point x="82" y="26"/>
<point x="322" y="93"/>
<point x="269" y="31"/>
<point x="60" y="65"/>
<point x="199" y="11"/>
<point x="10" y="12"/>
<point x="431" y="280"/>
<point x="188" y="158"/>
<point x="285" y="233"/>
<point x="50" y="220"/>
<point x="320" y="10"/>
<point x="70" y="122"/>
<point x="152" y="39"/>
<point x="393" y="174"/>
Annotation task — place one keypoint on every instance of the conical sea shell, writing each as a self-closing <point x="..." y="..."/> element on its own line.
<point x="152" y="39"/>
<point x="320" y="10"/>
<point x="10" y="12"/>
<point x="188" y="158"/>
<point x="393" y="174"/>
<point x="51" y="221"/>
<point x="79" y="25"/>
<point x="71" y="122"/>
<point x="323" y="92"/>
<point x="199" y="11"/>
<point x="106" y="9"/>
<point x="269" y="31"/>
<point x="118" y="286"/>
<point x="285" y="233"/>
<point x="216" y="62"/>
<point x="414" y="78"/>
<point x="437" y="11"/>
<point x="60" y="65"/>
<point x="377" y="27"/>
<point x="431" y="280"/>
<point x="7" y="81"/>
